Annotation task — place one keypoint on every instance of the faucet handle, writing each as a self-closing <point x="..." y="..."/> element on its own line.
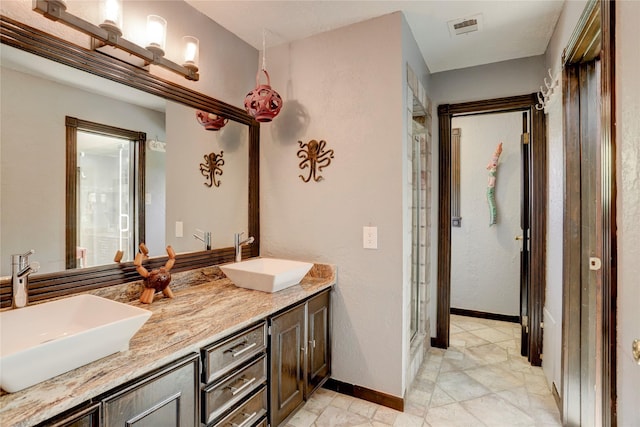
<point x="27" y="254"/>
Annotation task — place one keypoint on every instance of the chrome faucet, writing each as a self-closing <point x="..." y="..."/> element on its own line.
<point x="20" y="271"/>
<point x="238" y="244"/>
<point x="206" y="238"/>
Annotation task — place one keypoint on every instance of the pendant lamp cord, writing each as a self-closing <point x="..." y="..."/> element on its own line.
<point x="264" y="49"/>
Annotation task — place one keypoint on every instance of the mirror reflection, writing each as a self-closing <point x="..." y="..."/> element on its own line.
<point x="37" y="96"/>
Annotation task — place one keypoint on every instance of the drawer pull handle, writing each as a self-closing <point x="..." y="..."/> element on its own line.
<point x="245" y="422"/>
<point x="236" y="353"/>
<point x="247" y="383"/>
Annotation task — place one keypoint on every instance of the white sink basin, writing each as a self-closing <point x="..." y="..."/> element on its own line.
<point x="266" y="274"/>
<point x="41" y="341"/>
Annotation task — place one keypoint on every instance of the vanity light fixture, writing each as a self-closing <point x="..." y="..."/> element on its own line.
<point x="109" y="33"/>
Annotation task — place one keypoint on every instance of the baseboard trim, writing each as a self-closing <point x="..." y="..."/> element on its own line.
<point x="556" y="396"/>
<point x="484" y="315"/>
<point x="367" y="394"/>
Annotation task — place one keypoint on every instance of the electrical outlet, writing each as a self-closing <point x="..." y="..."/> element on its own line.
<point x="179" y="229"/>
<point x="370" y="237"/>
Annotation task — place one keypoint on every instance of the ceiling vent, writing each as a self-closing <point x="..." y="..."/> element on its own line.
<point x="465" y="25"/>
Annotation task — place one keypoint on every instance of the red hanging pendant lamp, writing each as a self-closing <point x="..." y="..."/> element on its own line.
<point x="263" y="103"/>
<point x="211" y="121"/>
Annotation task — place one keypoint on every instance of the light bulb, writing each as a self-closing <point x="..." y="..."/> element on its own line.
<point x="111" y="14"/>
<point x="190" y="45"/>
<point x="156" y="34"/>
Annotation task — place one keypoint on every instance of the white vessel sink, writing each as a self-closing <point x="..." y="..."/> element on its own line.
<point x="266" y="274"/>
<point x="41" y="341"/>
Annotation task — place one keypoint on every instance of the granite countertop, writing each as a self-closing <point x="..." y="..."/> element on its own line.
<point x="207" y="307"/>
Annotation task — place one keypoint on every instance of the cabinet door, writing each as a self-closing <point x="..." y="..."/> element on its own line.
<point x="288" y="337"/>
<point x="319" y="342"/>
<point x="167" y="398"/>
<point x="86" y="416"/>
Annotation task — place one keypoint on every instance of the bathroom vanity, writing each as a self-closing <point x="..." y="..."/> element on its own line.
<point x="215" y="355"/>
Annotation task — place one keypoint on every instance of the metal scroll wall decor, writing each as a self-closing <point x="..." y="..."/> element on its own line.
<point x="314" y="157"/>
<point x="211" y="168"/>
<point x="492" y="167"/>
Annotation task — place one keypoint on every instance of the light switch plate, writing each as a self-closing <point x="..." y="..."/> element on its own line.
<point x="370" y="237"/>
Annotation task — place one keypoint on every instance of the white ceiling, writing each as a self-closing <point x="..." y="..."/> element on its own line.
<point x="510" y="28"/>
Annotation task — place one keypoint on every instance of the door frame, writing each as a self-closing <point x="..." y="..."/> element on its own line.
<point x="593" y="37"/>
<point x="537" y="213"/>
<point x="73" y="125"/>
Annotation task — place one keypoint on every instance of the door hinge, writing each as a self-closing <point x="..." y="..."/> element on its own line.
<point x="525" y="323"/>
<point x="525" y="138"/>
<point x="541" y="325"/>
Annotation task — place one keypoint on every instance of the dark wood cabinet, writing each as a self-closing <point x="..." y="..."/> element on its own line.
<point x="300" y="355"/>
<point x="166" y="398"/>
<point x="87" y="415"/>
<point x="288" y="336"/>
<point x="319" y="342"/>
<point x="233" y="369"/>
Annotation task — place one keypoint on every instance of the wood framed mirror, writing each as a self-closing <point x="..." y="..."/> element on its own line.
<point x="57" y="283"/>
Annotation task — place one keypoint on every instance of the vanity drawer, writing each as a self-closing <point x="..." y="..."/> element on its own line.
<point x="248" y="413"/>
<point x="219" y="358"/>
<point x="219" y="397"/>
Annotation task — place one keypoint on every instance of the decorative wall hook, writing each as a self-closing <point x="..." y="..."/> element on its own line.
<point x="211" y="167"/>
<point x="315" y="158"/>
<point x="546" y="93"/>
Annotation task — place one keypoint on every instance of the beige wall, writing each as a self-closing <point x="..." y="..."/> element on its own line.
<point x="222" y="210"/>
<point x="346" y="87"/>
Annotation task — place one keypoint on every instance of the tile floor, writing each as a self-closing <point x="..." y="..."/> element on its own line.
<point x="480" y="380"/>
